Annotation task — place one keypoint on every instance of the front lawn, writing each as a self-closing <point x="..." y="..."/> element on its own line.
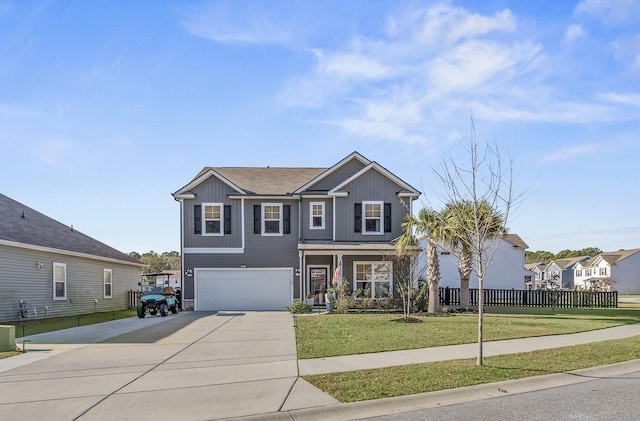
<point x="345" y="334"/>
<point x="387" y="382"/>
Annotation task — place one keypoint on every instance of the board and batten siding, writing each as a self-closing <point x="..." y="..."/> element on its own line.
<point x="213" y="191"/>
<point x="22" y="279"/>
<point x="338" y="176"/>
<point x="371" y="186"/>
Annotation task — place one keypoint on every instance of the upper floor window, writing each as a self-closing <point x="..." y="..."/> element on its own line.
<point x="107" y="276"/>
<point x="578" y="272"/>
<point x="59" y="281"/>
<point x="316" y="211"/>
<point x="372" y="217"/>
<point x="603" y="271"/>
<point x="272" y="219"/>
<point x="212" y="218"/>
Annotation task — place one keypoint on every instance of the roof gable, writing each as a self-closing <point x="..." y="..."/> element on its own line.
<point x="354" y="156"/>
<point x="20" y="224"/>
<point x="407" y="190"/>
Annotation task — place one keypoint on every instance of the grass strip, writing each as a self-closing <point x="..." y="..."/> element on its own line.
<point x="420" y="378"/>
<point x="331" y="335"/>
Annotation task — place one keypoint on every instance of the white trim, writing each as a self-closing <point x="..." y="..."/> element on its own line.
<point x="104" y="282"/>
<point x="184" y="192"/>
<point x="311" y="216"/>
<point x="242" y="222"/>
<point x="54" y="281"/>
<point x="338" y="194"/>
<point x="211" y="250"/>
<point x="353" y="155"/>
<point x="263" y="220"/>
<point x="265" y="197"/>
<point x="373" y="281"/>
<point x="204" y="220"/>
<point x="333" y="222"/>
<point x="67" y="253"/>
<point x="380" y="218"/>
<point x="383" y="171"/>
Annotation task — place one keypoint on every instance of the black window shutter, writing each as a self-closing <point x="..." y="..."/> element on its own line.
<point x="227" y="219"/>
<point x="197" y="219"/>
<point x="286" y="219"/>
<point x="357" y="221"/>
<point x="387" y="217"/>
<point x="256" y="219"/>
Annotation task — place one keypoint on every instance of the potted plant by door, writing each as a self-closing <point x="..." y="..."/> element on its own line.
<point x="309" y="299"/>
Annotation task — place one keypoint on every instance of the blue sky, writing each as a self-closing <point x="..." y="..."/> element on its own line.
<point x="107" y="107"/>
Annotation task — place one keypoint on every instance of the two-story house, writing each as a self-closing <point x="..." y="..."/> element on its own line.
<point x="505" y="271"/>
<point x="559" y="273"/>
<point x="257" y="238"/>
<point x="537" y="275"/>
<point x="617" y="270"/>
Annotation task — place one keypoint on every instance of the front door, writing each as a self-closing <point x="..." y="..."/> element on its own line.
<point x="318" y="276"/>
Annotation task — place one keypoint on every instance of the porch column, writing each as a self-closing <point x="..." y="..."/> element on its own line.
<point x="302" y="274"/>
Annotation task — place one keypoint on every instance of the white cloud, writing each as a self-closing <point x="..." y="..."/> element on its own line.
<point x="625" y="98"/>
<point x="219" y="24"/>
<point x="610" y="11"/>
<point x="571" y="152"/>
<point x="573" y="33"/>
<point x="345" y="65"/>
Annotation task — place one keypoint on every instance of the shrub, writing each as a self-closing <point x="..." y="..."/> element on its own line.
<point x="299" y="307"/>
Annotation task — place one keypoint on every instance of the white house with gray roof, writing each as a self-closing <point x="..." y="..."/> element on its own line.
<point x="257" y="238"/>
<point x="506" y="270"/>
<point x="56" y="270"/>
<point x="617" y="270"/>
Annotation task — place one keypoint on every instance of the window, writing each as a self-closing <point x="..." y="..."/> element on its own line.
<point x="603" y="271"/>
<point x="212" y="218"/>
<point x="107" y="276"/>
<point x="372" y="221"/>
<point x="578" y="272"/>
<point x="374" y="278"/>
<point x="316" y="218"/>
<point x="59" y="281"/>
<point x="271" y="219"/>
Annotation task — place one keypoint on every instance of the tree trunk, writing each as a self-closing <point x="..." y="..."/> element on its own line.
<point x="433" y="276"/>
<point x="464" y="269"/>
<point x="480" y="358"/>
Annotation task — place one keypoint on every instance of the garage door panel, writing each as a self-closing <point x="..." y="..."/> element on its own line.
<point x="242" y="289"/>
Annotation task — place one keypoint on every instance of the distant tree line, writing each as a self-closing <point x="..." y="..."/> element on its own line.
<point x="547" y="256"/>
<point x="169" y="260"/>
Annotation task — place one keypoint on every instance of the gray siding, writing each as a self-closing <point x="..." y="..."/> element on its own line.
<point x="20" y="279"/>
<point x="338" y="176"/>
<point x="371" y="186"/>
<point x="213" y="191"/>
<point x="317" y="234"/>
<point x="260" y="251"/>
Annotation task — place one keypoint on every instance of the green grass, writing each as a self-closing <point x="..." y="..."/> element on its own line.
<point x="346" y="334"/>
<point x="34" y="326"/>
<point x="419" y="378"/>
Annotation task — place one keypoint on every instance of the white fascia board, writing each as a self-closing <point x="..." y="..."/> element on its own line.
<point x="210" y="173"/>
<point x="68" y="253"/>
<point x="354" y="155"/>
<point x="184" y="196"/>
<point x="339" y="194"/>
<point x="383" y="171"/>
<point x="274" y="197"/>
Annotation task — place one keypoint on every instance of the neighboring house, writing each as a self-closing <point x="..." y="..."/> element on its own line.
<point x="618" y="270"/>
<point x="559" y="273"/>
<point x="537" y="274"/>
<point x="56" y="270"/>
<point x="257" y="238"/>
<point x="506" y="270"/>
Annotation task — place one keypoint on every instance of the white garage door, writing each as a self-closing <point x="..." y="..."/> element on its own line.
<point x="243" y="289"/>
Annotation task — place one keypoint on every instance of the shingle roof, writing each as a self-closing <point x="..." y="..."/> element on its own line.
<point x="268" y="180"/>
<point x="21" y="224"/>
<point x="570" y="261"/>
<point x="515" y="240"/>
<point x="615" y="256"/>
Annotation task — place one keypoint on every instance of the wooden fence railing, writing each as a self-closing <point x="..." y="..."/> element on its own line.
<point x="134" y="298"/>
<point x="532" y="298"/>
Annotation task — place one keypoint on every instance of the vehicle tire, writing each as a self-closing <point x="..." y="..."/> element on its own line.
<point x="163" y="310"/>
<point x="153" y="312"/>
<point x="141" y="311"/>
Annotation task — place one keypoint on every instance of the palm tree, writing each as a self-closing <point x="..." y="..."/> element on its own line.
<point x="430" y="224"/>
<point x="467" y="224"/>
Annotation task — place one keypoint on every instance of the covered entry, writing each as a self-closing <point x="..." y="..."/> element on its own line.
<point x="243" y="289"/>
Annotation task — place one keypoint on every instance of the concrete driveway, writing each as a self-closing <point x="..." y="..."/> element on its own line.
<point x="191" y="366"/>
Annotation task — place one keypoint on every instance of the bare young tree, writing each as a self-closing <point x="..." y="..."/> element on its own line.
<point x="479" y="197"/>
